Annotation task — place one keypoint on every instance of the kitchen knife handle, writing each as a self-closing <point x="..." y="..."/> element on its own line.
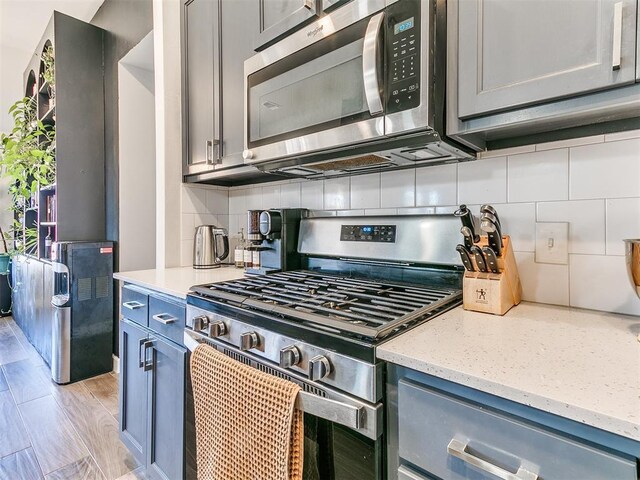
<point x="492" y="260"/>
<point x="465" y="256"/>
<point x="479" y="257"/>
<point x="467" y="221"/>
<point x="495" y="242"/>
<point x="468" y="237"/>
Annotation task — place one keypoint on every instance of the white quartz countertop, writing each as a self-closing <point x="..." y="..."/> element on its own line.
<point x="577" y="364"/>
<point x="177" y="281"/>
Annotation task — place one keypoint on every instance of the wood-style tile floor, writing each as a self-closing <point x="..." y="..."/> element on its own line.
<point x="54" y="432"/>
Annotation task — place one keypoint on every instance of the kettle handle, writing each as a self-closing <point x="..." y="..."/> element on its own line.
<point x="225" y="244"/>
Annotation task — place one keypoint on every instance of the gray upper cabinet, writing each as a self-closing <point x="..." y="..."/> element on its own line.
<point x="519" y="53"/>
<point x="201" y="84"/>
<point x="217" y="37"/>
<point x="529" y="71"/>
<point x="279" y="17"/>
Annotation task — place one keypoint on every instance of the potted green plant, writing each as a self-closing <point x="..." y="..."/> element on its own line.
<point x="49" y="71"/>
<point x="27" y="158"/>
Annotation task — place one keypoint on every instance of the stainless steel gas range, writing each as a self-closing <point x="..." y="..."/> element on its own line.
<point x="364" y="280"/>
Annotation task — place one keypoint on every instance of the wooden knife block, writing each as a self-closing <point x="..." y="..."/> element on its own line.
<point x="493" y="292"/>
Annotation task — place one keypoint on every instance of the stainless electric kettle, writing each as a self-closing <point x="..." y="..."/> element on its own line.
<point x="206" y="246"/>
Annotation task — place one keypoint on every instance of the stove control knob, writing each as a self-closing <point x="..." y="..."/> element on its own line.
<point x="217" y="329"/>
<point x="289" y="356"/>
<point x="200" y="322"/>
<point x="249" y="340"/>
<point x="319" y="367"/>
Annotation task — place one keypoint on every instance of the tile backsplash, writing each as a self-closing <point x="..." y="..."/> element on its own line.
<point x="593" y="183"/>
<point x="200" y="205"/>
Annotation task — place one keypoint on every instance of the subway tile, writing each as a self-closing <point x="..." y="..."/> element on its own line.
<point x="542" y="283"/>
<point x="538" y="176"/>
<point x="436" y="185"/>
<point x="614" y="137"/>
<point x="483" y="181"/>
<point x="365" y="191"/>
<point x="605" y="170"/>
<point x="417" y="211"/>
<point x="312" y="195"/>
<point x="506" y="151"/>
<point x="600" y="282"/>
<point x="235" y="225"/>
<point x="187" y="226"/>
<point x="446" y="210"/>
<point x="271" y="196"/>
<point x="254" y="198"/>
<point x="209" y="219"/>
<point x="238" y="201"/>
<point x="193" y="200"/>
<point x="336" y="193"/>
<point x="586" y="223"/>
<point x="623" y="221"/>
<point x="381" y="211"/>
<point x="186" y="253"/>
<point x="217" y="201"/>
<point x="570" y="142"/>
<point x="290" y="195"/>
<point x="349" y="213"/>
<point x="398" y="188"/>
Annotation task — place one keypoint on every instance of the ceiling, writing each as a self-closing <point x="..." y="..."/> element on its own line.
<point x="22" y="23"/>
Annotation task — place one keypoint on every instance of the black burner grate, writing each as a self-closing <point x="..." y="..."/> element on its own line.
<point x="344" y="304"/>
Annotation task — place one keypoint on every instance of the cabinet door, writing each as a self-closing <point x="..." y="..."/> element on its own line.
<point x="47" y="312"/>
<point x="516" y="53"/>
<point x="201" y="84"/>
<point x="133" y="389"/>
<point x="17" y="274"/>
<point x="236" y="48"/>
<point x="166" y="393"/>
<point x="278" y="17"/>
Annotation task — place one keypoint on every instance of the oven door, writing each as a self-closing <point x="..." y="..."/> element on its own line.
<point x="342" y="435"/>
<point x="319" y="88"/>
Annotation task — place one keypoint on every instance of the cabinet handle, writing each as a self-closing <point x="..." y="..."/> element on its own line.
<point x="165" y="318"/>
<point x="142" y="354"/>
<point x="133" y="305"/>
<point x="459" y="450"/>
<point x="617" y="35"/>
<point x="209" y="151"/>
<point x="308" y="4"/>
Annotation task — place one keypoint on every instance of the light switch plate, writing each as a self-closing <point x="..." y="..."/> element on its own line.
<point x="552" y="242"/>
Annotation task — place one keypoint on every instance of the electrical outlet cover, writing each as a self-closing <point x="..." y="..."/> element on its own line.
<point x="552" y="243"/>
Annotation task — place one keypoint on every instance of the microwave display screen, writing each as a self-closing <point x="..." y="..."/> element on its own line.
<point x="403" y="26"/>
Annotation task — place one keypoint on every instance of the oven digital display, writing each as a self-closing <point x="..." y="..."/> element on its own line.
<point x="368" y="233"/>
<point x="403" y="26"/>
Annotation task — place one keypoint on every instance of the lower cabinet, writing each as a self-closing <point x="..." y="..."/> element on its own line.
<point x="436" y="433"/>
<point x="152" y="396"/>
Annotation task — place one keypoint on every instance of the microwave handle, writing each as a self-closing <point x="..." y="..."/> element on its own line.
<point x="370" y="54"/>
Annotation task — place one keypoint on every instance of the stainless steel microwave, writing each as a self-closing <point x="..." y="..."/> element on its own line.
<point x="357" y="81"/>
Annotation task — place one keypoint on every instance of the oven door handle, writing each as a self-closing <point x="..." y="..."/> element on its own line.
<point x="370" y="74"/>
<point x="350" y="416"/>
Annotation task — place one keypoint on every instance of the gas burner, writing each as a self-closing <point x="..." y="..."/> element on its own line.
<point x="354" y="306"/>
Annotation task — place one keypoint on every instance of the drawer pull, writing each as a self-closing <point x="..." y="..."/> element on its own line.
<point x="165" y="318"/>
<point x="459" y="450"/>
<point x="133" y="305"/>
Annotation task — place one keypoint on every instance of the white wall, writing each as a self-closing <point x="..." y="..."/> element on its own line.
<point x="137" y="160"/>
<point x="592" y="183"/>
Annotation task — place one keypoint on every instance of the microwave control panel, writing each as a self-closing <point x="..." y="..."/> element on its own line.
<point x="368" y="233"/>
<point x="403" y="55"/>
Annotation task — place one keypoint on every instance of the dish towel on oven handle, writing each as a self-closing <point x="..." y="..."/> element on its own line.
<point x="247" y="426"/>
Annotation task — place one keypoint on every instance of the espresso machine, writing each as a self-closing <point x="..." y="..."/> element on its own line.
<point x="273" y="239"/>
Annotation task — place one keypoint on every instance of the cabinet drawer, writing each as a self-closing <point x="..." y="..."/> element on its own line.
<point x="452" y="439"/>
<point x="167" y="318"/>
<point x="135" y="305"/>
